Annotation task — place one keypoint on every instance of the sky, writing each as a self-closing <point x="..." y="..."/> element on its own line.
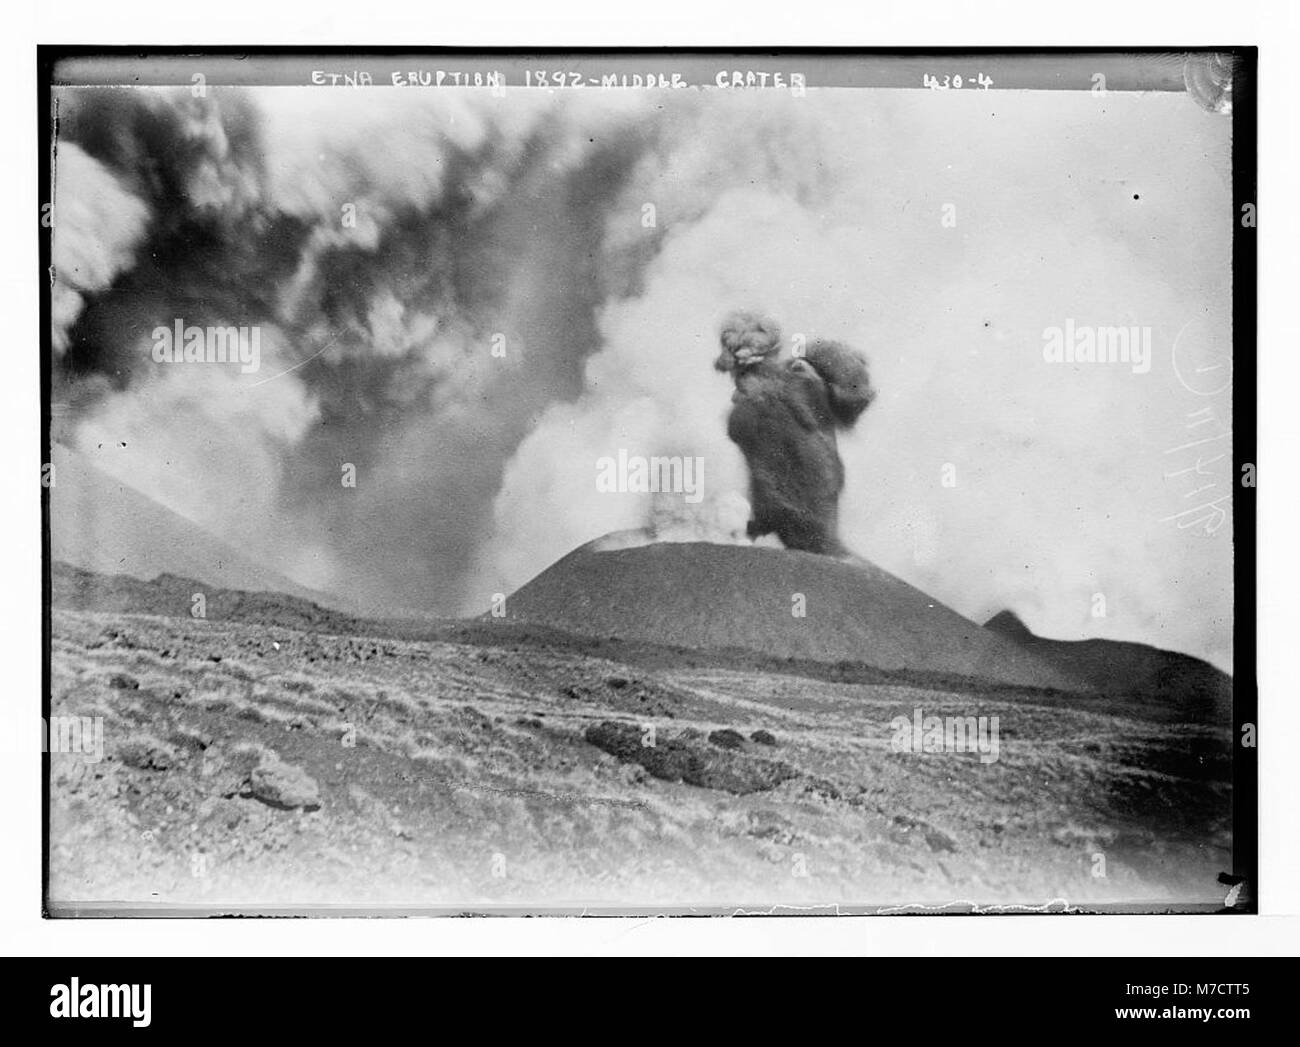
<point x="470" y="298"/>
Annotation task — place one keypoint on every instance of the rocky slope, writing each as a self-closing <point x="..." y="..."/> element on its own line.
<point x="266" y="757"/>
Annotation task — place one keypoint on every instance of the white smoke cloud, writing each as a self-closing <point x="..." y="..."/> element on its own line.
<point x="826" y="214"/>
<point x="97" y="225"/>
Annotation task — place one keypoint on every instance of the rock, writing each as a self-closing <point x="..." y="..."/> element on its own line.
<point x="726" y="738"/>
<point x="938" y="840"/>
<point x="146" y="753"/>
<point x="763" y="737"/>
<point x="824" y="788"/>
<point x="284" y="785"/>
<point x="685" y="759"/>
<point x="123" y="682"/>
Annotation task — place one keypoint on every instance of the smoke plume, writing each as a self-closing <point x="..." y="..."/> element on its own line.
<point x="784" y="416"/>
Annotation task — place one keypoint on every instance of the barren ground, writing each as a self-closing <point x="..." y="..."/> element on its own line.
<point x="248" y="764"/>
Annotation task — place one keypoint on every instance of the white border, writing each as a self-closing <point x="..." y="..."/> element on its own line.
<point x="663" y="23"/>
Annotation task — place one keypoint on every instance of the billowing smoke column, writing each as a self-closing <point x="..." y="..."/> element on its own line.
<point x="784" y="416"/>
<point x="382" y="244"/>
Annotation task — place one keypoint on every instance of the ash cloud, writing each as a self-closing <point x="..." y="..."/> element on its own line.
<point x="784" y="416"/>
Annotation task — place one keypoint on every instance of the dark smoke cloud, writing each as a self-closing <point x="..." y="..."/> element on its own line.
<point x="784" y="416"/>
<point x="383" y="334"/>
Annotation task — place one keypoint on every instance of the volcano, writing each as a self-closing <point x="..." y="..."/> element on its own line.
<point x="102" y="524"/>
<point x="777" y="602"/>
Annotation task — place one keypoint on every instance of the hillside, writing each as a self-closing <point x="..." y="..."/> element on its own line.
<point x="702" y="595"/>
<point x="266" y="759"/>
<point x="102" y="524"/>
<point x="1197" y="688"/>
